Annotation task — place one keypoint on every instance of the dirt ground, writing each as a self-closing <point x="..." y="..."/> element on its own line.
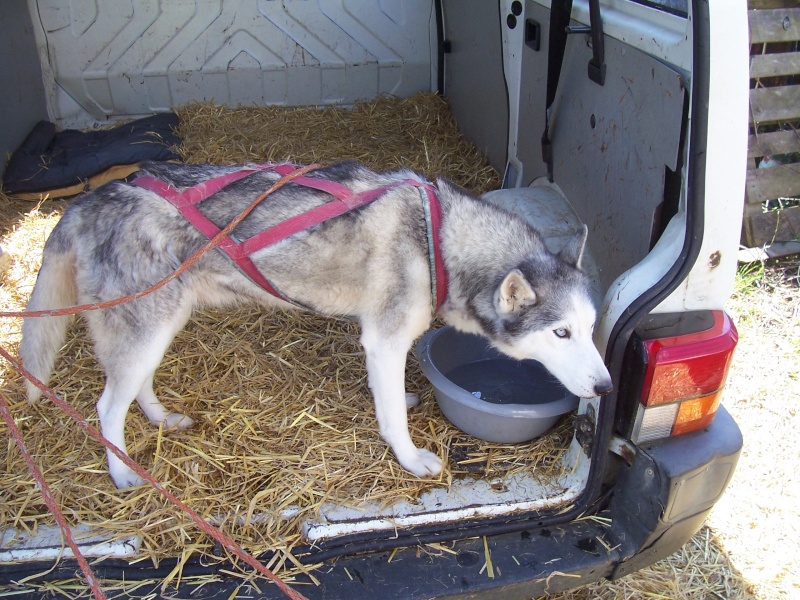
<point x="750" y="546"/>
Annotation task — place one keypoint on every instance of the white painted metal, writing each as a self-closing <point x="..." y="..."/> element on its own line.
<point x="154" y="55"/>
<point x="464" y="500"/>
<point x="105" y="59"/>
<point x="710" y="282"/>
<point x="513" y="41"/>
<point x="47" y="544"/>
<point x="656" y="32"/>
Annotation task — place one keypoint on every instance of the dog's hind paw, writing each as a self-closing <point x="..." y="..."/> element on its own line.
<point x="422" y="463"/>
<point x="125" y="478"/>
<point x="177" y="421"/>
<point x="412" y="400"/>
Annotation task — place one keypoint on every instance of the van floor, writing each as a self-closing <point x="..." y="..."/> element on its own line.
<point x="285" y="442"/>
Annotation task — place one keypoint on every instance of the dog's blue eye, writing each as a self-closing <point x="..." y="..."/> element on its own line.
<point x="561" y="332"/>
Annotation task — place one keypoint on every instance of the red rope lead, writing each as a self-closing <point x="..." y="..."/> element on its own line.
<point x="52" y="505"/>
<point x="213" y="242"/>
<point x="215" y="533"/>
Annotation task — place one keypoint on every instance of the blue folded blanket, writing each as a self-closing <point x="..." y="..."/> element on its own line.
<point x="49" y="160"/>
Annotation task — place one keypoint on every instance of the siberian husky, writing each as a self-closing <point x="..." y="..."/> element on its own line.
<point x="374" y="264"/>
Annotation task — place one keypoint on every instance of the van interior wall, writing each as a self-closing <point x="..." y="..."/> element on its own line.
<point x="613" y="145"/>
<point x="474" y="83"/>
<point x="110" y="63"/>
<point x="533" y="92"/>
<point x="616" y="147"/>
<point x="22" y="102"/>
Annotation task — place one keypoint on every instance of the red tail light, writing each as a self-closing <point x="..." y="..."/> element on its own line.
<point x="683" y="381"/>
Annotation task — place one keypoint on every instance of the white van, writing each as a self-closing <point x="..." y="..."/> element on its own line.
<point x="627" y="115"/>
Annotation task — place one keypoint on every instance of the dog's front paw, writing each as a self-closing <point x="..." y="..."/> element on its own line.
<point x="422" y="463"/>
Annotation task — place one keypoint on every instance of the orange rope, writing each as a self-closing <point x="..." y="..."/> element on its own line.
<point x="216" y="534"/>
<point x="47" y="495"/>
<point x="72" y="310"/>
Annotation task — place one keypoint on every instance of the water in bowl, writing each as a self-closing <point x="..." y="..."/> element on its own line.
<point x="505" y="381"/>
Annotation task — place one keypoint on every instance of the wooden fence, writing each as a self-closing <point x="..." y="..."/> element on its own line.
<point x="773" y="172"/>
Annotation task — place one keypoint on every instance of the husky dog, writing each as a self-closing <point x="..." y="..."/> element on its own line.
<point x="372" y="264"/>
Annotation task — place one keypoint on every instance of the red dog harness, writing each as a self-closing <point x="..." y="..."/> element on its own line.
<point x="344" y="201"/>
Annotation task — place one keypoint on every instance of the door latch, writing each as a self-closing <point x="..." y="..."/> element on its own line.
<point x="584" y="429"/>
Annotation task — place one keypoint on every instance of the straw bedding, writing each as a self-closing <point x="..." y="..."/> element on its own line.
<point x="282" y="410"/>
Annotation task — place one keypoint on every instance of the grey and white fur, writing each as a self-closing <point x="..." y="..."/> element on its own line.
<point x="371" y="264"/>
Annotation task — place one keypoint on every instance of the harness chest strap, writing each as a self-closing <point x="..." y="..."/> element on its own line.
<point x="345" y="200"/>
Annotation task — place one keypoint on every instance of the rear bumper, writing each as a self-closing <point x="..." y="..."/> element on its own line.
<point x="662" y="499"/>
<point x="657" y="503"/>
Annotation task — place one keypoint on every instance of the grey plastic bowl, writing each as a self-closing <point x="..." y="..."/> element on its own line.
<point x="519" y="400"/>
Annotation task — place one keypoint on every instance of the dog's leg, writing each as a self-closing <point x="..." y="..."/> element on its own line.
<point x="112" y="408"/>
<point x="156" y="412"/>
<point x="386" y="362"/>
<point x="130" y="357"/>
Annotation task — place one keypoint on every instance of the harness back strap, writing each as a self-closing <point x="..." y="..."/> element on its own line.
<point x="345" y="200"/>
<point x="186" y="202"/>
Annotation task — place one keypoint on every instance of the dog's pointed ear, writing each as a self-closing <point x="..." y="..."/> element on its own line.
<point x="513" y="294"/>
<point x="572" y="252"/>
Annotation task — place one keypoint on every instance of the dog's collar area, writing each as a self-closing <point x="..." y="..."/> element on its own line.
<point x="432" y="209"/>
<point x="345" y="200"/>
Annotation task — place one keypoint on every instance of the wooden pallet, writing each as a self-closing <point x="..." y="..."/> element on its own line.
<point x="775" y="122"/>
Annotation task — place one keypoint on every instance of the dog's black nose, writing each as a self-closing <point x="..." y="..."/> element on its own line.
<point x="603" y="388"/>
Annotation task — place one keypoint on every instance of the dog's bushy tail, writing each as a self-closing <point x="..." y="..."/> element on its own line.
<point x="55" y="288"/>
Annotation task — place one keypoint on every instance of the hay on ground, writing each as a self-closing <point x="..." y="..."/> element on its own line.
<point x="282" y="410"/>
